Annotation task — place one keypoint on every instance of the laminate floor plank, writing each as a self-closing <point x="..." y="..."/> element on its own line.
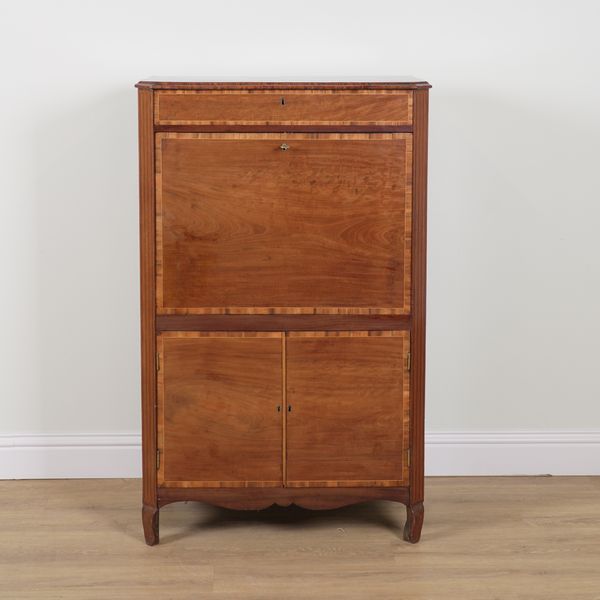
<point x="483" y="539"/>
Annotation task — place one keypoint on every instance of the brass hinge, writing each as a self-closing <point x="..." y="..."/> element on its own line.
<point x="408" y="457"/>
<point x="157" y="459"/>
<point x="157" y="361"/>
<point x="408" y="361"/>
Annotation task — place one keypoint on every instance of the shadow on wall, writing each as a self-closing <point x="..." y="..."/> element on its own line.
<point x="87" y="319"/>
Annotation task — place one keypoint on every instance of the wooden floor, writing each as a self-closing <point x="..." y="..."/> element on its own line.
<point x="483" y="538"/>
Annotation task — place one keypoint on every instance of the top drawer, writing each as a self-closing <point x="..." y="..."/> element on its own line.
<point x="284" y="107"/>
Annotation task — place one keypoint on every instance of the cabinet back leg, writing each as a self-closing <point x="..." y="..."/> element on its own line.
<point x="150" y="522"/>
<point x="414" y="522"/>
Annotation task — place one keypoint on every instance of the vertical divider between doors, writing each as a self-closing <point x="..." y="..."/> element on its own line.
<point x="284" y="409"/>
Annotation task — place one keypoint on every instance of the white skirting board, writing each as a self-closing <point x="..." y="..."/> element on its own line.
<point x="575" y="452"/>
<point x="70" y="456"/>
<point x="446" y="454"/>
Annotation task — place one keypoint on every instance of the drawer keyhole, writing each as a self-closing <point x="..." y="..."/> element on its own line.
<point x="282" y="101"/>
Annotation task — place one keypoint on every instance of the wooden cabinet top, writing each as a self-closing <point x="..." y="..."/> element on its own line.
<point x="353" y="83"/>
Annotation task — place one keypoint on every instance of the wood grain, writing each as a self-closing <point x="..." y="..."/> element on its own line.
<point x="394" y="83"/>
<point x="282" y="128"/>
<point x="270" y="253"/>
<point x="147" y="311"/>
<point x="260" y="498"/>
<point x="150" y="519"/>
<point x="419" y="268"/>
<point x="281" y="322"/>
<point x="310" y="224"/>
<point x="218" y="423"/>
<point x="282" y="310"/>
<point x="414" y="522"/>
<point x="286" y="107"/>
<point x="348" y="409"/>
<point x="283" y="409"/>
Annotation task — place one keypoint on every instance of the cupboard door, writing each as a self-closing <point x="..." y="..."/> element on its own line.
<point x="276" y="223"/>
<point x="219" y="409"/>
<point x="348" y="409"/>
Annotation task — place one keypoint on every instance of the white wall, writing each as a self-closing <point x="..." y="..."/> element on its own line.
<point x="514" y="252"/>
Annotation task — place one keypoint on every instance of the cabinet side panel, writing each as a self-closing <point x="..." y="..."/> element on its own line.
<point x="419" y="267"/>
<point x="147" y="294"/>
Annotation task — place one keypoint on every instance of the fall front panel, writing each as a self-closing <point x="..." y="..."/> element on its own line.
<point x="283" y="223"/>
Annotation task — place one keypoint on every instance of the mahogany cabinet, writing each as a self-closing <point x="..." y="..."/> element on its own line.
<point x="283" y="239"/>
